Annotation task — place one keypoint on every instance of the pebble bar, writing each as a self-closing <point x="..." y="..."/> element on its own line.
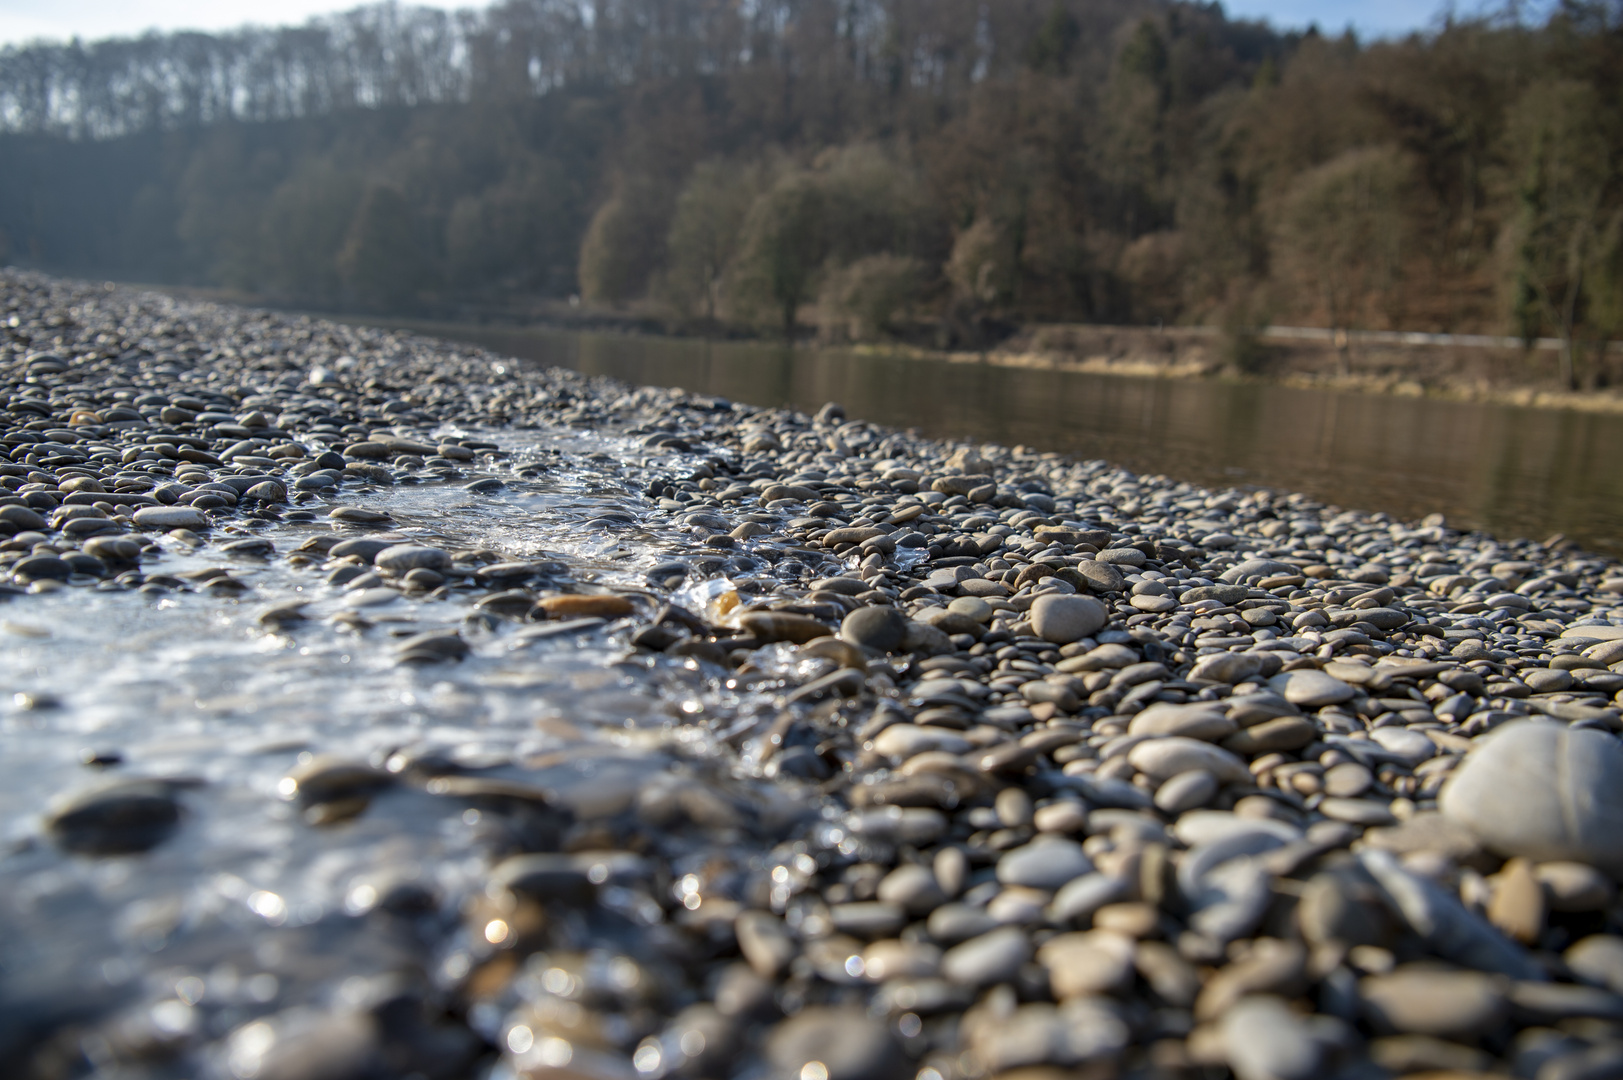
<point x="979" y="761"/>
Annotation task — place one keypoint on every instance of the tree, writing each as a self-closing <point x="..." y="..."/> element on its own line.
<point x="1565" y="237"/>
<point x="1056" y="39"/>
<point x="1340" y="235"/>
<point x="784" y="246"/>
<point x="865" y="300"/>
<point x="381" y="264"/>
<point x="623" y="244"/>
<point x="984" y="264"/>
<point x="1064" y="160"/>
<point x="515" y="234"/>
<point x="853" y="202"/>
<point x="1134" y="153"/>
<point x="705" y="233"/>
<point x="303" y="227"/>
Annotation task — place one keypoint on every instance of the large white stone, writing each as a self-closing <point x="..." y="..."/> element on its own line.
<point x="1544" y="791"/>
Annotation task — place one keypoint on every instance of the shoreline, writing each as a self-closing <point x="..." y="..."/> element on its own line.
<point x="1291" y="357"/>
<point x="1390" y="385"/>
<point x="629" y="727"/>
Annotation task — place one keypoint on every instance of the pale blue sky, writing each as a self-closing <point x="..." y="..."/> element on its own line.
<point x="22" y="20"/>
<point x="1371" y="18"/>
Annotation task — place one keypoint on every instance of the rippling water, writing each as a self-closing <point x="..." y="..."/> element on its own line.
<point x="244" y="909"/>
<point x="1511" y="471"/>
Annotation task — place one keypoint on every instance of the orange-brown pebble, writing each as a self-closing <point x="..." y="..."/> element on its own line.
<point x="583" y="607"/>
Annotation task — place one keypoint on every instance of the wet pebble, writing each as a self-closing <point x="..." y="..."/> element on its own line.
<point x="119" y="817"/>
<point x="839" y="1043"/>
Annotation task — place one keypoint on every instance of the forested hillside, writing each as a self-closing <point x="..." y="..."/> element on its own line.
<point x="868" y="167"/>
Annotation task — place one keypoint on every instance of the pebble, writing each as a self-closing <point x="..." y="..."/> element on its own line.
<point x="1347" y="780"/>
<point x="1195" y="721"/>
<point x="1574" y="886"/>
<point x="582" y="607"/>
<point x="115" y="818"/>
<point x="41" y="568"/>
<point x="1186" y="791"/>
<point x="950" y="924"/>
<point x="305" y="1043"/>
<point x="1444" y="1004"/>
<point x="990" y="958"/>
<point x="1064" y="619"/>
<point x="1282" y="733"/>
<point x="1082" y="897"/>
<point x="908" y="740"/>
<point x="1014" y="809"/>
<point x="951" y="869"/>
<point x="1100" y="577"/>
<point x="765" y="943"/>
<point x="171" y="517"/>
<point x="21" y="517"/>
<point x="1163" y="758"/>
<point x="1598" y="961"/>
<point x="881" y="628"/>
<point x="1543" y="791"/>
<point x="1411" y="746"/>
<point x="1064" y="816"/>
<point x="913" y="888"/>
<point x="399" y="558"/>
<point x="1085" y="964"/>
<point x="1311" y="688"/>
<point x="1226" y="667"/>
<point x="1044" y="864"/>
<point x="357" y="515"/>
<point x="893" y="959"/>
<point x="1517" y="907"/>
<point x="1264" y="1039"/>
<point x="839" y="1043"/>
<point x="1101" y="772"/>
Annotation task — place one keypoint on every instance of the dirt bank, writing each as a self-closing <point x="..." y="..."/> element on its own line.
<point x="1508" y="373"/>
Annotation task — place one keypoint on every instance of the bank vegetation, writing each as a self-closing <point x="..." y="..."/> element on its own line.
<point x="938" y="172"/>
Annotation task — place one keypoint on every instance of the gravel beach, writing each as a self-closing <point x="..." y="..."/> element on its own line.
<point x="379" y="707"/>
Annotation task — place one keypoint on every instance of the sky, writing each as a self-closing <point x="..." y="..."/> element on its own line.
<point x="1371" y="18"/>
<point x="24" y="20"/>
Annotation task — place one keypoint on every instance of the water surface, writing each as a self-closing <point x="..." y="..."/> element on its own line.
<point x="1511" y="471"/>
<point x="251" y="907"/>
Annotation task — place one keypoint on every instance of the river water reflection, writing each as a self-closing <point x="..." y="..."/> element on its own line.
<point x="1512" y="471"/>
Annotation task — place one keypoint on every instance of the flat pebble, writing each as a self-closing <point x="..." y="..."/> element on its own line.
<point x="1544" y="791"/>
<point x="1162" y="758"/>
<point x="1264" y="1039"/>
<point x="171" y="517"/>
<point x="1311" y="688"/>
<point x="118" y="817"/>
<point x="1064" y="619"/>
<point x="1048" y="864"/>
<point x="990" y="958"/>
<point x="840" y="1043"/>
<point x="1445" y="1004"/>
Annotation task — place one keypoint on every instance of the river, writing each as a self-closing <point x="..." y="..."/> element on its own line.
<point x="1511" y="471"/>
